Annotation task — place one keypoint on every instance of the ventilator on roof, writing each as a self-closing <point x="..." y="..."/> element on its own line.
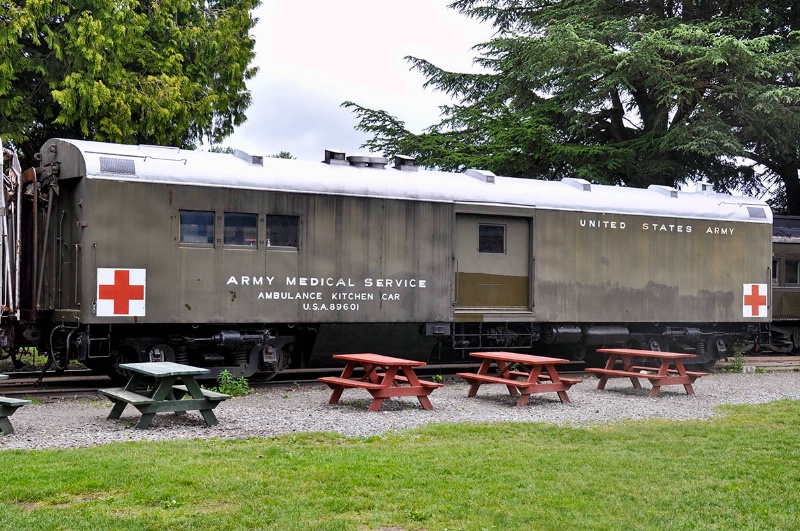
<point x="484" y="175"/>
<point x="333" y="156"/>
<point x="404" y="162"/>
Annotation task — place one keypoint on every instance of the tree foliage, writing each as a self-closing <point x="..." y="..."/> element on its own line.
<point x="633" y="92"/>
<point x="169" y="72"/>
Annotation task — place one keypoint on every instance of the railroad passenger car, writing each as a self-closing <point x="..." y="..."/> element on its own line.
<point x="785" y="328"/>
<point x="249" y="264"/>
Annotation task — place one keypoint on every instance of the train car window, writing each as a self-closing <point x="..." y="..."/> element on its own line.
<point x="241" y="229"/>
<point x="775" y="272"/>
<point x="282" y="231"/>
<point x="492" y="239"/>
<point x="792" y="273"/>
<point x="197" y="227"/>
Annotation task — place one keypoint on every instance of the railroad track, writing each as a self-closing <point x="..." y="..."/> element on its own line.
<point x="83" y="383"/>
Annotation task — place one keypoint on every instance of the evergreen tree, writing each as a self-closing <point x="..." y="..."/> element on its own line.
<point x="632" y="92"/>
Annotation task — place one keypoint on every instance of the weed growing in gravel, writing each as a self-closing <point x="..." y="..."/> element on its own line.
<point x="737" y="365"/>
<point x="232" y="386"/>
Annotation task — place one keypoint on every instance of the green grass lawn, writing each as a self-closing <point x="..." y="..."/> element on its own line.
<point x="739" y="471"/>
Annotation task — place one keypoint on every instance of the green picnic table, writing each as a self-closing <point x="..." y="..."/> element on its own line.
<point x="166" y="395"/>
<point x="7" y="408"/>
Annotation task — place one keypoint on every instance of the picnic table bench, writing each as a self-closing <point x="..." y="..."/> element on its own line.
<point x="534" y="380"/>
<point x="384" y="377"/>
<point x="669" y="369"/>
<point x="8" y="406"/>
<point x="166" y="395"/>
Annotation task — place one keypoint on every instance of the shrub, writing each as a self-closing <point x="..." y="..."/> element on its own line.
<point x="232" y="386"/>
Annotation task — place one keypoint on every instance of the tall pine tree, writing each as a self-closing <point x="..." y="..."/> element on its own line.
<point x="627" y="92"/>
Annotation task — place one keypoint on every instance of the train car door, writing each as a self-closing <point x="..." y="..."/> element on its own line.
<point x="492" y="262"/>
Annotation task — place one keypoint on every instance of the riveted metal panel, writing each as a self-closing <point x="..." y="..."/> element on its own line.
<point x="622" y="268"/>
<point x="358" y="259"/>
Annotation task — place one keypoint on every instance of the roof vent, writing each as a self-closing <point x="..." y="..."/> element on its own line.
<point x="118" y="166"/>
<point x="255" y="160"/>
<point x="404" y="162"/>
<point x="663" y="190"/>
<point x="580" y="184"/>
<point x="756" y="212"/>
<point x="359" y="161"/>
<point x="333" y="156"/>
<point x="366" y="161"/>
<point x="377" y="162"/>
<point x="704" y="186"/>
<point x="484" y="175"/>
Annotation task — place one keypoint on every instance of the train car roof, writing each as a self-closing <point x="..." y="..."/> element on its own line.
<point x="98" y="160"/>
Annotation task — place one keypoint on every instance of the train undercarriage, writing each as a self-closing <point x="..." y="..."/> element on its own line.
<point x="578" y="342"/>
<point x="265" y="351"/>
<point x="784" y="338"/>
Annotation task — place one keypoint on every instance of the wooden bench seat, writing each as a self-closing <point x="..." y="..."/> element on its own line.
<point x="670" y="371"/>
<point x="129" y="397"/>
<point x="571" y="381"/>
<point x="8" y="406"/>
<point x="423" y="383"/>
<point x="546" y="377"/>
<point x="516" y="383"/>
<point x="337" y="381"/>
<point x="623" y="373"/>
<point x="211" y="395"/>
<point x="638" y="374"/>
<point x="494" y="379"/>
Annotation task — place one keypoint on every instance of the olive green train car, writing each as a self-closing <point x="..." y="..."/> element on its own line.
<point x="251" y="264"/>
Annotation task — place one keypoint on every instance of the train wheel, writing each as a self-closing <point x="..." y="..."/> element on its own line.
<point x="651" y="344"/>
<point x="10" y="347"/>
<point x="111" y="368"/>
<point x="579" y="352"/>
<point x="795" y="343"/>
<point x="274" y="360"/>
<point x="706" y="361"/>
<point x="781" y="341"/>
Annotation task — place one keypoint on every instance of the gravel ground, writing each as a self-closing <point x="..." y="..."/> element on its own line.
<point x="79" y="422"/>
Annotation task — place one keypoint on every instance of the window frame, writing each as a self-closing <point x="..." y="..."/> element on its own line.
<point x="210" y="214"/>
<point x="485" y="239"/>
<point x="789" y="269"/>
<point x="286" y="245"/>
<point x="254" y="228"/>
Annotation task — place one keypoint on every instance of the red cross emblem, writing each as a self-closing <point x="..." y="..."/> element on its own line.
<point x="120" y="292"/>
<point x="755" y="301"/>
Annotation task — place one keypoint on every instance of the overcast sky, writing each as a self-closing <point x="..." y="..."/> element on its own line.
<point x="313" y="55"/>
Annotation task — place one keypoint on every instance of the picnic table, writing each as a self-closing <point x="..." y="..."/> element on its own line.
<point x="7" y="408"/>
<point x="511" y="366"/>
<point x="165" y="395"/>
<point x="383" y="376"/>
<point x="668" y="368"/>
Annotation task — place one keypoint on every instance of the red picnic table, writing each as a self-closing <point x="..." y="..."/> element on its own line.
<point x="670" y="369"/>
<point x="511" y="366"/>
<point x="384" y="377"/>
